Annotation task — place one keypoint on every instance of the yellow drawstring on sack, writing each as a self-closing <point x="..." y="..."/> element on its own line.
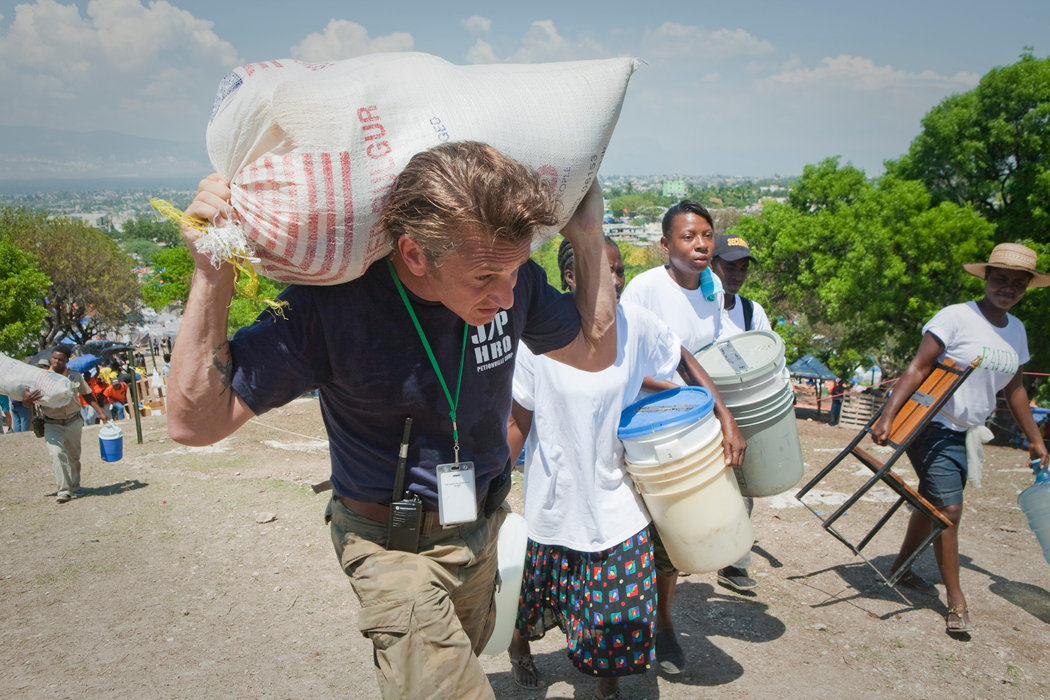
<point x="237" y="255"/>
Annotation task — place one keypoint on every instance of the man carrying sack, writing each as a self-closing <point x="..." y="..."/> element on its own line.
<point x="427" y="333"/>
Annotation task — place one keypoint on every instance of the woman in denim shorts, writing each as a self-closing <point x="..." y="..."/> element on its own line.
<point x="964" y="332"/>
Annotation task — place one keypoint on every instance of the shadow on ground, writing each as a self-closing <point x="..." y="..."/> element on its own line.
<point x="112" y="489"/>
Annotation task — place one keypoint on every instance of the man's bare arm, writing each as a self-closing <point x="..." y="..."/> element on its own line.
<point x="202" y="405"/>
<point x="594" y="348"/>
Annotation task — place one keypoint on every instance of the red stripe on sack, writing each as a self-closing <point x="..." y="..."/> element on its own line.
<point x="273" y="220"/>
<point x="346" y="248"/>
<point x="293" y="203"/>
<point x="331" y="220"/>
<point x="312" y="220"/>
<point x="248" y="69"/>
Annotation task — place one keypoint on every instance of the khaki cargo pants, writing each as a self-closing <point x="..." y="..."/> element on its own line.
<point x="63" y="446"/>
<point x="428" y="614"/>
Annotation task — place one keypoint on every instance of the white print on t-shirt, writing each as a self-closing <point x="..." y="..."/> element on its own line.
<point x="492" y="346"/>
<point x="999" y="360"/>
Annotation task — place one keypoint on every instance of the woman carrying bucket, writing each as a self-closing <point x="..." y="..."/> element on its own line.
<point x="939" y="455"/>
<point x="589" y="564"/>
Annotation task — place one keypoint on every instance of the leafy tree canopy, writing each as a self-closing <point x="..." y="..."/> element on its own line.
<point x="147" y="229"/>
<point x="169" y="284"/>
<point x="988" y="147"/>
<point x="93" y="288"/>
<point x="22" y="289"/>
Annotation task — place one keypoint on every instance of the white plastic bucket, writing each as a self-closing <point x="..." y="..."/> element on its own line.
<point x="668" y="426"/>
<point x="703" y="528"/>
<point x="693" y="500"/>
<point x="753" y="381"/>
<point x="713" y="449"/>
<point x="510" y="556"/>
<point x="111" y="443"/>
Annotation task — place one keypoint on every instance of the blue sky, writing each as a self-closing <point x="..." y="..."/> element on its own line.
<point x="742" y="88"/>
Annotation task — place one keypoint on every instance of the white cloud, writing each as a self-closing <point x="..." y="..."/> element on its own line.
<point x="482" y="52"/>
<point x="862" y="75"/>
<point x="345" y="39"/>
<point x="121" y="65"/>
<point x="476" y="24"/>
<point x="672" y="39"/>
<point x="540" y="43"/>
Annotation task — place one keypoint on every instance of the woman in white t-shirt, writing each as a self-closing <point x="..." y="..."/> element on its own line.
<point x="963" y="332"/>
<point x="589" y="564"/>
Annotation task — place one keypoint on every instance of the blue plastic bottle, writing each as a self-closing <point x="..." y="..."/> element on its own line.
<point x="1035" y="502"/>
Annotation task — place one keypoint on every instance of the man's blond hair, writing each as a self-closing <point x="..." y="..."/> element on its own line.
<point x="459" y="188"/>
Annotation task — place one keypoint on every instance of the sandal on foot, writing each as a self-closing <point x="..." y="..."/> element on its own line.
<point x="614" y="695"/>
<point x="913" y="581"/>
<point x="525" y="672"/>
<point x="958" y="620"/>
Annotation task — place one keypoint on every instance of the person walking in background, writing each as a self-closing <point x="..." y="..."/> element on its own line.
<point x="731" y="261"/>
<point x="939" y="455"/>
<point x="63" y="426"/>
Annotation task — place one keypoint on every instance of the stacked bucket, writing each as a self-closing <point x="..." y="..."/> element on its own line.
<point x="752" y="378"/>
<point x="673" y="449"/>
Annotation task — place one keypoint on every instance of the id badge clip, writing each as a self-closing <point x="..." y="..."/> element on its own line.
<point x="457" y="493"/>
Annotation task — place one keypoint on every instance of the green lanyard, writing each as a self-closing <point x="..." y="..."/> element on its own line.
<point x="433" y="361"/>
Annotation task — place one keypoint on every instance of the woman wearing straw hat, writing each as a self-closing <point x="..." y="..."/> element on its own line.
<point x="962" y="332"/>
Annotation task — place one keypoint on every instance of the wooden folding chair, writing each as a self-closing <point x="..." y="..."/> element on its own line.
<point x="913" y="417"/>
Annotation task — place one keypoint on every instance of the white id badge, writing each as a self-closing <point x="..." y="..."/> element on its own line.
<point x="457" y="494"/>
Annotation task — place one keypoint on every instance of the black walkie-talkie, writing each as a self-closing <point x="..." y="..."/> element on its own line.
<point x="405" y="513"/>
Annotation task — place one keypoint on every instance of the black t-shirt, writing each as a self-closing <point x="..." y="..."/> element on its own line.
<point x="355" y="342"/>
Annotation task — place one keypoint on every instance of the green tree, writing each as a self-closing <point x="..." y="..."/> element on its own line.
<point x="169" y="283"/>
<point x="988" y="147"/>
<point x="867" y="265"/>
<point x="148" y="229"/>
<point x="22" y="289"/>
<point x="93" y="287"/>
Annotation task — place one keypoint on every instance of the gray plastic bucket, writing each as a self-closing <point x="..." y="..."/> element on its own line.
<point x="751" y="377"/>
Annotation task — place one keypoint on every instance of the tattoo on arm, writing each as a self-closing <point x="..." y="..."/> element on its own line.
<point x="223" y="361"/>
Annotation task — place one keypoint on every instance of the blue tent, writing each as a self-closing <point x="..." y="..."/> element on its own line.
<point x="82" y="363"/>
<point x="810" y="367"/>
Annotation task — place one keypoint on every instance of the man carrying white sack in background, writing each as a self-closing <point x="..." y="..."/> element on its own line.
<point x="393" y="345"/>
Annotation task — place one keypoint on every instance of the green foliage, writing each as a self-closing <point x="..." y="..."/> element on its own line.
<point x="635" y="259"/>
<point x="864" y="263"/>
<point x="22" y="289"/>
<point x="244" y="310"/>
<point x="140" y="249"/>
<point x="169" y="283"/>
<point x="93" y="287"/>
<point x="827" y="186"/>
<point x="147" y="229"/>
<point x="988" y="147"/>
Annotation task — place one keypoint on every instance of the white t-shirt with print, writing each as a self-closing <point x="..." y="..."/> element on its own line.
<point x="733" y="320"/>
<point x="689" y="314"/>
<point x="967" y="334"/>
<point x="577" y="491"/>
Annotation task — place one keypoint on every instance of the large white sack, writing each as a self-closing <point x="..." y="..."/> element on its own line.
<point x="15" y="377"/>
<point x="312" y="149"/>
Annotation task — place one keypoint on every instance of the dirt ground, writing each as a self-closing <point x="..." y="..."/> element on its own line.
<point x="208" y="572"/>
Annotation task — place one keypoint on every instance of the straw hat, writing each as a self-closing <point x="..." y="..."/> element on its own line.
<point x="1011" y="256"/>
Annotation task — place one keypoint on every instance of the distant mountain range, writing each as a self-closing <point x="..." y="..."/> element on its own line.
<point x="29" y="153"/>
